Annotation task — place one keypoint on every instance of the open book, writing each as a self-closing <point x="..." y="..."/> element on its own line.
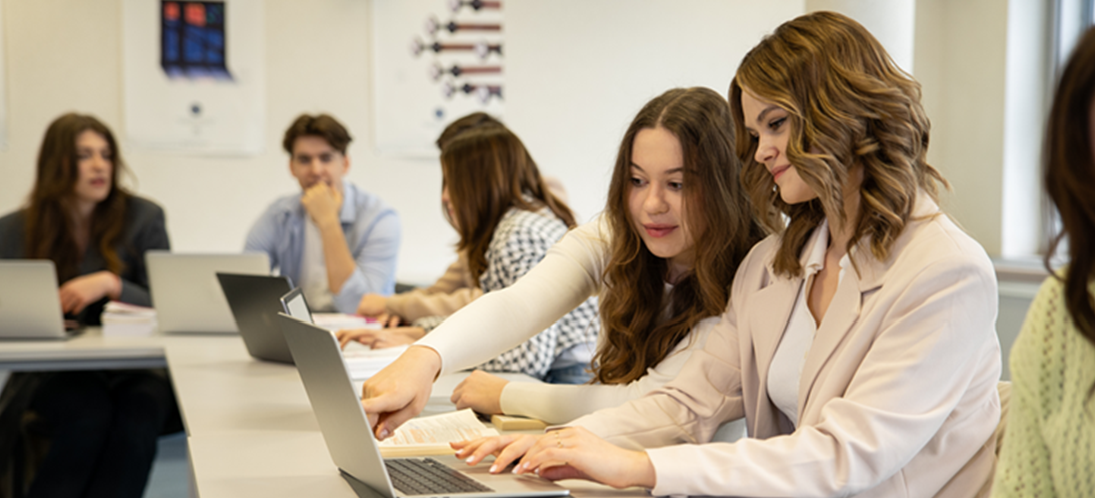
<point x="432" y="435"/>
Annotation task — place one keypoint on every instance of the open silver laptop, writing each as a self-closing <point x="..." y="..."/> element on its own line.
<point x="30" y="307"/>
<point x="186" y="293"/>
<point x="350" y="440"/>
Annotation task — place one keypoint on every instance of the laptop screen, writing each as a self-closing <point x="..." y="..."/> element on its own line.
<point x="295" y="305"/>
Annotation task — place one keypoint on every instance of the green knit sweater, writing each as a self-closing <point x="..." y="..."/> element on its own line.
<point x="1049" y="444"/>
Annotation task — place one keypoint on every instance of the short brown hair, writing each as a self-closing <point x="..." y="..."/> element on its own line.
<point x="323" y="126"/>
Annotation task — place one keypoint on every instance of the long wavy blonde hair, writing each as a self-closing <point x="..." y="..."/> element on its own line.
<point x="848" y="104"/>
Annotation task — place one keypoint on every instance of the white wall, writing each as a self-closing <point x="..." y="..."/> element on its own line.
<point x="577" y="71"/>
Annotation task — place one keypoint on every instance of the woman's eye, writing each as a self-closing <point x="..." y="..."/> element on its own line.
<point x="676" y="185"/>
<point x="637" y="182"/>
<point x="776" y="123"/>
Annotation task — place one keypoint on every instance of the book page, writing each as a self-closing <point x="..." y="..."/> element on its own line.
<point x="439" y="430"/>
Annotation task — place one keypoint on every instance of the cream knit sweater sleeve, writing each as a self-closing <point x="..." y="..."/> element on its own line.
<point x="498" y="321"/>
<point x="1049" y="443"/>
<point x="561" y="403"/>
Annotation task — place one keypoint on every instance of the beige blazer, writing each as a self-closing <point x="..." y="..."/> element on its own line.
<point x="454" y="290"/>
<point x="897" y="396"/>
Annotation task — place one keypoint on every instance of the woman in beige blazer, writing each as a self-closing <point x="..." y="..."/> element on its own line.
<point x="859" y="343"/>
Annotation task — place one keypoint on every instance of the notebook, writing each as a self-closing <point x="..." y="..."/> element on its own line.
<point x="255" y="301"/>
<point x="350" y="440"/>
<point x="30" y="306"/>
<point x="185" y="291"/>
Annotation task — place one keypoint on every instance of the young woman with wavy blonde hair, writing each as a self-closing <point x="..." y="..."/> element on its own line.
<point x="661" y="259"/>
<point x="859" y="344"/>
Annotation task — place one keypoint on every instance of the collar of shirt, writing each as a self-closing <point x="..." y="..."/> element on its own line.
<point x="815" y="255"/>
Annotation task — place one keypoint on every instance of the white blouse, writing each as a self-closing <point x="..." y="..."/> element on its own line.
<point x="786" y="369"/>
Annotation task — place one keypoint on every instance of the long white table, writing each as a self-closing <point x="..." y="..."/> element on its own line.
<point x="250" y="428"/>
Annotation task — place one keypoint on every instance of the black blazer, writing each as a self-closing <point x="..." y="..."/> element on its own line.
<point x="145" y="229"/>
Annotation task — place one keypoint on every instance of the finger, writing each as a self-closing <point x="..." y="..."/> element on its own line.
<point x="68" y="302"/>
<point x="390" y="420"/>
<point x="393" y="321"/>
<point x="547" y="444"/>
<point x="536" y="461"/>
<point x="489" y="446"/>
<point x="79" y="305"/>
<point x="456" y="393"/>
<point x="468" y="447"/>
<point x="510" y="454"/>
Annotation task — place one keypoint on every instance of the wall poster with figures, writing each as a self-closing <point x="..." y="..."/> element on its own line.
<point x="433" y="62"/>
<point x="194" y="75"/>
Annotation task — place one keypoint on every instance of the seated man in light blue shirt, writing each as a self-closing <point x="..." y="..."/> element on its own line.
<point x="334" y="240"/>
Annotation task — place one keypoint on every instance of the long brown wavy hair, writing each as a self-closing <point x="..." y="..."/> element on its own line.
<point x="848" y="104"/>
<point x="1069" y="177"/>
<point x="488" y="171"/>
<point x="49" y="213"/>
<point x="716" y="212"/>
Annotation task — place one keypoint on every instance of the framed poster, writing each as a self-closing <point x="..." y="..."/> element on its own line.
<point x="433" y="62"/>
<point x="194" y="75"/>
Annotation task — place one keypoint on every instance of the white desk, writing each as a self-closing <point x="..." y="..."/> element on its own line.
<point x="250" y="428"/>
<point x="89" y="350"/>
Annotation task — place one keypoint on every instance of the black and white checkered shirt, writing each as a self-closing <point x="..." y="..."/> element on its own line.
<point x="521" y="239"/>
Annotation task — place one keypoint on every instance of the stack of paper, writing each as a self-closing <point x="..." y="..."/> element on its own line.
<point x="339" y="321"/>
<point x="364" y="362"/>
<point x="432" y="435"/>
<point x="122" y="319"/>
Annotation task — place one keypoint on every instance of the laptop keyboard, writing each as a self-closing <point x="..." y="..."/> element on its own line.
<point x="430" y="477"/>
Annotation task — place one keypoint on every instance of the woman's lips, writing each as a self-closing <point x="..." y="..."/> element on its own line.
<point x="659" y="231"/>
<point x="778" y="171"/>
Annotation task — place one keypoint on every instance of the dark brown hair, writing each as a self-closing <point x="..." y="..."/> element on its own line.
<point x="488" y="171"/>
<point x="50" y="228"/>
<point x="1070" y="180"/>
<point x="717" y="215"/>
<point x="848" y="104"/>
<point x="323" y="126"/>
<point x="469" y="122"/>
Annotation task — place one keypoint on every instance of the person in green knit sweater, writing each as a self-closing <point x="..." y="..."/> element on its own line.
<point x="1049" y="444"/>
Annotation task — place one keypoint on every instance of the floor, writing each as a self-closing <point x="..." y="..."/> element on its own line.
<point x="171" y="472"/>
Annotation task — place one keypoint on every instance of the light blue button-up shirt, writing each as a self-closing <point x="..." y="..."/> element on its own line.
<point x="372" y="234"/>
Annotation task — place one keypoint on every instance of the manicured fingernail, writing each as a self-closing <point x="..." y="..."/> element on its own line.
<point x="493" y="469"/>
<point x="470" y="459"/>
<point x="384" y="433"/>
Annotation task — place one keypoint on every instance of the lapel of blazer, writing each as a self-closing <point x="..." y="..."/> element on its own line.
<point x="866" y="275"/>
<point x="770" y="308"/>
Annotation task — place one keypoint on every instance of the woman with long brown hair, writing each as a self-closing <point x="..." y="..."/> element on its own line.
<point x="103" y="425"/>
<point x="661" y="259"/>
<point x="860" y="342"/>
<point x="507" y="220"/>
<point x="1047" y="446"/>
